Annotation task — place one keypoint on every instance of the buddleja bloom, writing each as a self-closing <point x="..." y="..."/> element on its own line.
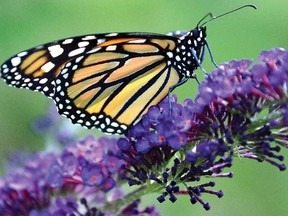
<point x="240" y="110"/>
<point x="82" y="180"/>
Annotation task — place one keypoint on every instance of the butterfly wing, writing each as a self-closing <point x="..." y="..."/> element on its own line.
<point x="114" y="84"/>
<point x="36" y="68"/>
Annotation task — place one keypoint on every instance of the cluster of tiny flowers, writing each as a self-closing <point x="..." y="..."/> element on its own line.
<point x="82" y="180"/>
<point x="240" y="110"/>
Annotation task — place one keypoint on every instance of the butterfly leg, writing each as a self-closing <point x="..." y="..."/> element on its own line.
<point x="172" y="88"/>
<point x="196" y="80"/>
<point x="211" y="55"/>
<point x="202" y="55"/>
<point x="199" y="61"/>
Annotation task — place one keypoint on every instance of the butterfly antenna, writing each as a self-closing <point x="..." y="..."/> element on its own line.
<point x="224" y="14"/>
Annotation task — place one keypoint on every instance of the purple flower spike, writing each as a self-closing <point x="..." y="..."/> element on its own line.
<point x="228" y="117"/>
<point x="240" y="110"/>
<point x="85" y="172"/>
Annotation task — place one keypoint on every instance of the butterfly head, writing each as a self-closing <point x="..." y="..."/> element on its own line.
<point x="190" y="51"/>
<point x="190" y="48"/>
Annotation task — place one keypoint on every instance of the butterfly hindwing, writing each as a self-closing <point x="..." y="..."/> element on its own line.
<point x="113" y="85"/>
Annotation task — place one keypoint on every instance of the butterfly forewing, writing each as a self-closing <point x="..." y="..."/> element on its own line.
<point x="36" y="68"/>
<point x="113" y="85"/>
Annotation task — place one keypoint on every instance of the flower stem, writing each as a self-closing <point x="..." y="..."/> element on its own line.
<point x="131" y="197"/>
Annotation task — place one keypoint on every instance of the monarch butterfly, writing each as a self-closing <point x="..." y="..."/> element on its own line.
<point x="109" y="81"/>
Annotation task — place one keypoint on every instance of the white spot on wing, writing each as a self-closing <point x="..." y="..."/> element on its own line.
<point x="107" y="120"/>
<point x="74" y="67"/>
<point x="15" y="61"/>
<point x="111" y="48"/>
<point x="64" y="71"/>
<point x="58" y="89"/>
<point x="89" y="37"/>
<point x="55" y="50"/>
<point x="79" y="59"/>
<point x="22" y="54"/>
<point x="48" y="66"/>
<point x="114" y="124"/>
<point x="109" y="130"/>
<point x="76" y="52"/>
<point x="138" y="41"/>
<point x="100" y="41"/>
<point x="170" y="54"/>
<point x="124" y="127"/>
<point x="111" y="34"/>
<point x="5" y="70"/>
<point x="45" y="89"/>
<point x="94" y="50"/>
<point x="83" y="43"/>
<point x="67" y="41"/>
<point x="43" y="81"/>
<point x="18" y="77"/>
<point x="65" y="76"/>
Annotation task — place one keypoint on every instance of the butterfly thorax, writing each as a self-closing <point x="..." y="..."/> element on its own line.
<point x="190" y="49"/>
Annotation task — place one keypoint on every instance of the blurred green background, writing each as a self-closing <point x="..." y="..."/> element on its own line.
<point x="257" y="189"/>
